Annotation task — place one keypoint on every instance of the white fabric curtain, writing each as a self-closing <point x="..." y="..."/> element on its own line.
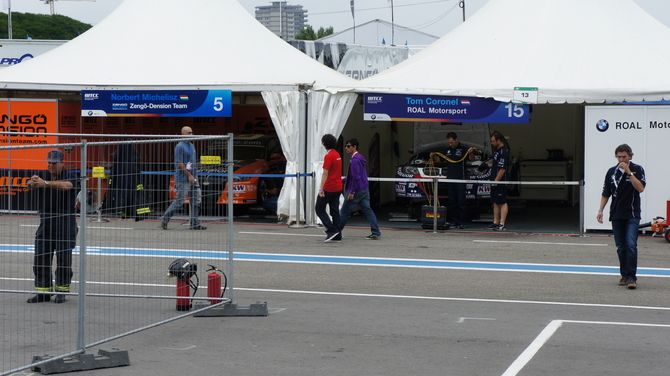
<point x="328" y="113"/>
<point x="284" y="108"/>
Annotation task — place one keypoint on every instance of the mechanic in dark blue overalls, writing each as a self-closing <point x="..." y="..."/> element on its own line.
<point x="455" y="154"/>
<point x="56" y="191"/>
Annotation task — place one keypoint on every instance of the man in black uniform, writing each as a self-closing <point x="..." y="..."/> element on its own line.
<point x="456" y="155"/>
<point x="56" y="191"/>
<point x="499" y="173"/>
<point x="624" y="182"/>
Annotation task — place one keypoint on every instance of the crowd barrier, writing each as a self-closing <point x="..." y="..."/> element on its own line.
<point x="120" y="284"/>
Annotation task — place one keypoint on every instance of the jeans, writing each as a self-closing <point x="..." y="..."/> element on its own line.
<point x="625" y="237"/>
<point x="184" y="188"/>
<point x="270" y="203"/>
<point x="361" y="198"/>
<point x="457" y="203"/>
<point x="332" y="199"/>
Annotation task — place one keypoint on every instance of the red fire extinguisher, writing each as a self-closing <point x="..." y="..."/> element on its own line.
<point x="214" y="289"/>
<point x="184" y="270"/>
<point x="183" y="290"/>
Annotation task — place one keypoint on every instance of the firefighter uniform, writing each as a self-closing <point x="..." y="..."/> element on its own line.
<point x="57" y="233"/>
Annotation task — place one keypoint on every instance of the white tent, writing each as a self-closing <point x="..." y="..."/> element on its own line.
<point x="573" y="51"/>
<point x="197" y="45"/>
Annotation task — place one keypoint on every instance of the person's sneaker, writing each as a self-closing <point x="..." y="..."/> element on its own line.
<point x="199" y="227"/>
<point x="331" y="237"/>
<point x="373" y="237"/>
<point x="460" y="227"/>
<point x="500" y="227"/>
<point x="631" y="284"/>
<point x="622" y="281"/>
<point x="39" y="298"/>
<point x="492" y="226"/>
<point x="164" y="225"/>
<point x="59" y="299"/>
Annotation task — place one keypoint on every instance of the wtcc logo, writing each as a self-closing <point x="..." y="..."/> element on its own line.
<point x="375" y="99"/>
<point x="90" y="96"/>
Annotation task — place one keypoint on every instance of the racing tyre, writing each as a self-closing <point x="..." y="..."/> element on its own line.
<point x="667" y="234"/>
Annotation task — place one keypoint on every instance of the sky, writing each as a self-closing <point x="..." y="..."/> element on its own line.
<point x="436" y="17"/>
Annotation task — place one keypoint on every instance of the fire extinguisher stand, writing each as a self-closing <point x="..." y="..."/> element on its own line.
<point x="228" y="307"/>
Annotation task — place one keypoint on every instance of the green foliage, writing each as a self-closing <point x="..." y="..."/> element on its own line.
<point x="307" y="33"/>
<point x="41" y="26"/>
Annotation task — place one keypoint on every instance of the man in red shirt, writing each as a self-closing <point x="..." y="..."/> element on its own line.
<point x="330" y="190"/>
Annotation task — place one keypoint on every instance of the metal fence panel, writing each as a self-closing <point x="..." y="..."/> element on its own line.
<point x="122" y="250"/>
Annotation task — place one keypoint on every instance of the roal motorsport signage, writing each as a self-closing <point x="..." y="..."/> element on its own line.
<point x="399" y="107"/>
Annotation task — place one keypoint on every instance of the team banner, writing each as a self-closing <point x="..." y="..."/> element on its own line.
<point x="399" y="107"/>
<point x="191" y="103"/>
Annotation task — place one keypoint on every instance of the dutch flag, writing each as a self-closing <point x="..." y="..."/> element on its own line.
<point x="465" y="102"/>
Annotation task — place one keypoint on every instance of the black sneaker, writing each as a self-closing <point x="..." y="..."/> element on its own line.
<point x="39" y="298"/>
<point x="59" y="299"/>
<point x="373" y="237"/>
<point x="164" y="225"/>
<point x="199" y="227"/>
<point x="492" y="226"/>
<point x="500" y="227"/>
<point x="331" y="237"/>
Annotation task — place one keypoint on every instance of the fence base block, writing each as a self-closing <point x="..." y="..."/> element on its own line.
<point x="232" y="309"/>
<point x="82" y="362"/>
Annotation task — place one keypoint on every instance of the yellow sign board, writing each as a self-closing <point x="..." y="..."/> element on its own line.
<point x="99" y="172"/>
<point x="210" y="159"/>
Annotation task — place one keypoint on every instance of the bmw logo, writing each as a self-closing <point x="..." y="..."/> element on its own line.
<point x="602" y="125"/>
<point x="373" y="117"/>
<point x="90" y="113"/>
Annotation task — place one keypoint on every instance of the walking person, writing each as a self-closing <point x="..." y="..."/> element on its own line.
<point x="185" y="179"/>
<point x="456" y="154"/>
<point x="499" y="173"/>
<point x="624" y="183"/>
<point x="330" y="190"/>
<point x="56" y="191"/>
<point x="356" y="190"/>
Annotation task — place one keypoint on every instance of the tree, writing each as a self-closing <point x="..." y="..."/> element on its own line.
<point x="42" y="26"/>
<point x="307" y="33"/>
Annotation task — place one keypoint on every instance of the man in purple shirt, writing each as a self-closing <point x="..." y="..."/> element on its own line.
<point x="356" y="190"/>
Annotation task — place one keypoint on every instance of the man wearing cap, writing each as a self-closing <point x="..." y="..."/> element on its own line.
<point x="56" y="190"/>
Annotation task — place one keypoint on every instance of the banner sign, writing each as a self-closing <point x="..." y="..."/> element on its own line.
<point x="191" y="103"/>
<point x="399" y="107"/>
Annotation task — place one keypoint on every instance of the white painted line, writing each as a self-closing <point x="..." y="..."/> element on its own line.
<point x="453" y="299"/>
<point x="106" y="228"/>
<point x="543" y="243"/>
<point x="549" y="331"/>
<point x="462" y="319"/>
<point x="279" y="233"/>
<point x="534" y="347"/>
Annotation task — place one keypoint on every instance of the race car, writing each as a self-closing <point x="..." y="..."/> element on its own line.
<point x="419" y="168"/>
<point x="252" y="154"/>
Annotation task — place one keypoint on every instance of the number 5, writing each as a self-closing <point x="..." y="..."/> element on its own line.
<point x="218" y="104"/>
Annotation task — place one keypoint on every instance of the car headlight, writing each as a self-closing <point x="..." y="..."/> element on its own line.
<point x="241" y="178"/>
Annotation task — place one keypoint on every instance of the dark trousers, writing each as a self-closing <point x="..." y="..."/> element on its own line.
<point x="54" y="240"/>
<point x="625" y="238"/>
<point x="457" y="204"/>
<point x="332" y="199"/>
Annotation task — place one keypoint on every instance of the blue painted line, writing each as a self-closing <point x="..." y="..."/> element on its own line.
<point x="361" y="261"/>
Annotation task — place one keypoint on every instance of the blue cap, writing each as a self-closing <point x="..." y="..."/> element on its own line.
<point x="55" y="155"/>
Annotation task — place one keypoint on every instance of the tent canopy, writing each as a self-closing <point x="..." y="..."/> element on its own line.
<point x="167" y="44"/>
<point x="573" y="51"/>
